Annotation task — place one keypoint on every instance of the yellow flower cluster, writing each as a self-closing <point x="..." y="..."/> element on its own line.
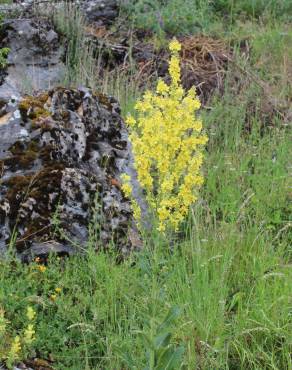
<point x="41" y="268"/>
<point x="30" y="313"/>
<point x="127" y="189"/>
<point x="29" y="332"/>
<point x="13" y="350"/>
<point x="167" y="143"/>
<point x="3" y="323"/>
<point x="14" y="353"/>
<point x="54" y="296"/>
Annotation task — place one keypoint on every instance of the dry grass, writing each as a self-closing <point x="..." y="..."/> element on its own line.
<point x="204" y="64"/>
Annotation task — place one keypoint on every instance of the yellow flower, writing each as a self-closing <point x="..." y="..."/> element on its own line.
<point x="3" y="322"/>
<point x="136" y="211"/>
<point x="127" y="189"/>
<point x="130" y="121"/>
<point x="161" y="228"/>
<point x="30" y="313"/>
<point x="174" y="45"/>
<point x="41" y="268"/>
<point x="58" y="290"/>
<point x="29" y="334"/>
<point x="53" y="297"/>
<point x="126" y="186"/>
<point x="167" y="144"/>
<point x="15" y="348"/>
<point x="125" y="177"/>
<point x="162" y="88"/>
<point x="174" y="70"/>
<point x="14" y="352"/>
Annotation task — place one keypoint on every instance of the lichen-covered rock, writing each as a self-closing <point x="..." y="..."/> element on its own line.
<point x="35" y="57"/>
<point x="61" y="154"/>
<point x="99" y="12"/>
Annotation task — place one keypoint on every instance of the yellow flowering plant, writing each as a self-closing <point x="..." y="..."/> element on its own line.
<point x="168" y="143"/>
<point x="13" y="349"/>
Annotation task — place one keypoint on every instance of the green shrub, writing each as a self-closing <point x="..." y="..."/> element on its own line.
<point x="169" y="16"/>
<point x="255" y="8"/>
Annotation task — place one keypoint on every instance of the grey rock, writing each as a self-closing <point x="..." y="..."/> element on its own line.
<point x="100" y="11"/>
<point x="57" y="163"/>
<point x="35" y="57"/>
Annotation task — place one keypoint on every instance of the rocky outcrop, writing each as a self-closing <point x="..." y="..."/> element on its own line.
<point x="61" y="154"/>
<point x="100" y="12"/>
<point x="37" y="51"/>
<point x="35" y="57"/>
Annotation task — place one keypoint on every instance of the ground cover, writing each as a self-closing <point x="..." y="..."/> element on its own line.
<point x="217" y="295"/>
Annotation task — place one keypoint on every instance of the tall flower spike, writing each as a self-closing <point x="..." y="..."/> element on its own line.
<point x="167" y="144"/>
<point x="174" y="45"/>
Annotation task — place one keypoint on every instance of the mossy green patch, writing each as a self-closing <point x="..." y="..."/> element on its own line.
<point x="34" y="107"/>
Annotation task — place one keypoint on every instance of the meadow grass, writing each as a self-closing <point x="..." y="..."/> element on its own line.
<point x="219" y="294"/>
<point x="228" y="276"/>
<point x="181" y="17"/>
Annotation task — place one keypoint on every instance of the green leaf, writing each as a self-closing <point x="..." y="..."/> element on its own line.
<point x="162" y="340"/>
<point x="173" y="313"/>
<point x="147" y="341"/>
<point x="171" y="359"/>
<point x="126" y="357"/>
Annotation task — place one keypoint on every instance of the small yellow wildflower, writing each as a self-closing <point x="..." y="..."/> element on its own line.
<point x="29" y="334"/>
<point x="130" y="121"/>
<point x="53" y="297"/>
<point x="174" y="70"/>
<point x="162" y="88"/>
<point x="58" y="290"/>
<point x="174" y="45"/>
<point x="30" y="313"/>
<point x="161" y="227"/>
<point x="125" y="177"/>
<point x="127" y="189"/>
<point x="3" y="322"/>
<point x="126" y="186"/>
<point x="41" y="268"/>
<point x="136" y="210"/>
<point x="15" y="349"/>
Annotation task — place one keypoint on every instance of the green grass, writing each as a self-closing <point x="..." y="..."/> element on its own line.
<point x="219" y="295"/>
<point x="255" y="8"/>
<point x="229" y="277"/>
<point x="233" y="290"/>
<point x="172" y="17"/>
<point x="180" y="17"/>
